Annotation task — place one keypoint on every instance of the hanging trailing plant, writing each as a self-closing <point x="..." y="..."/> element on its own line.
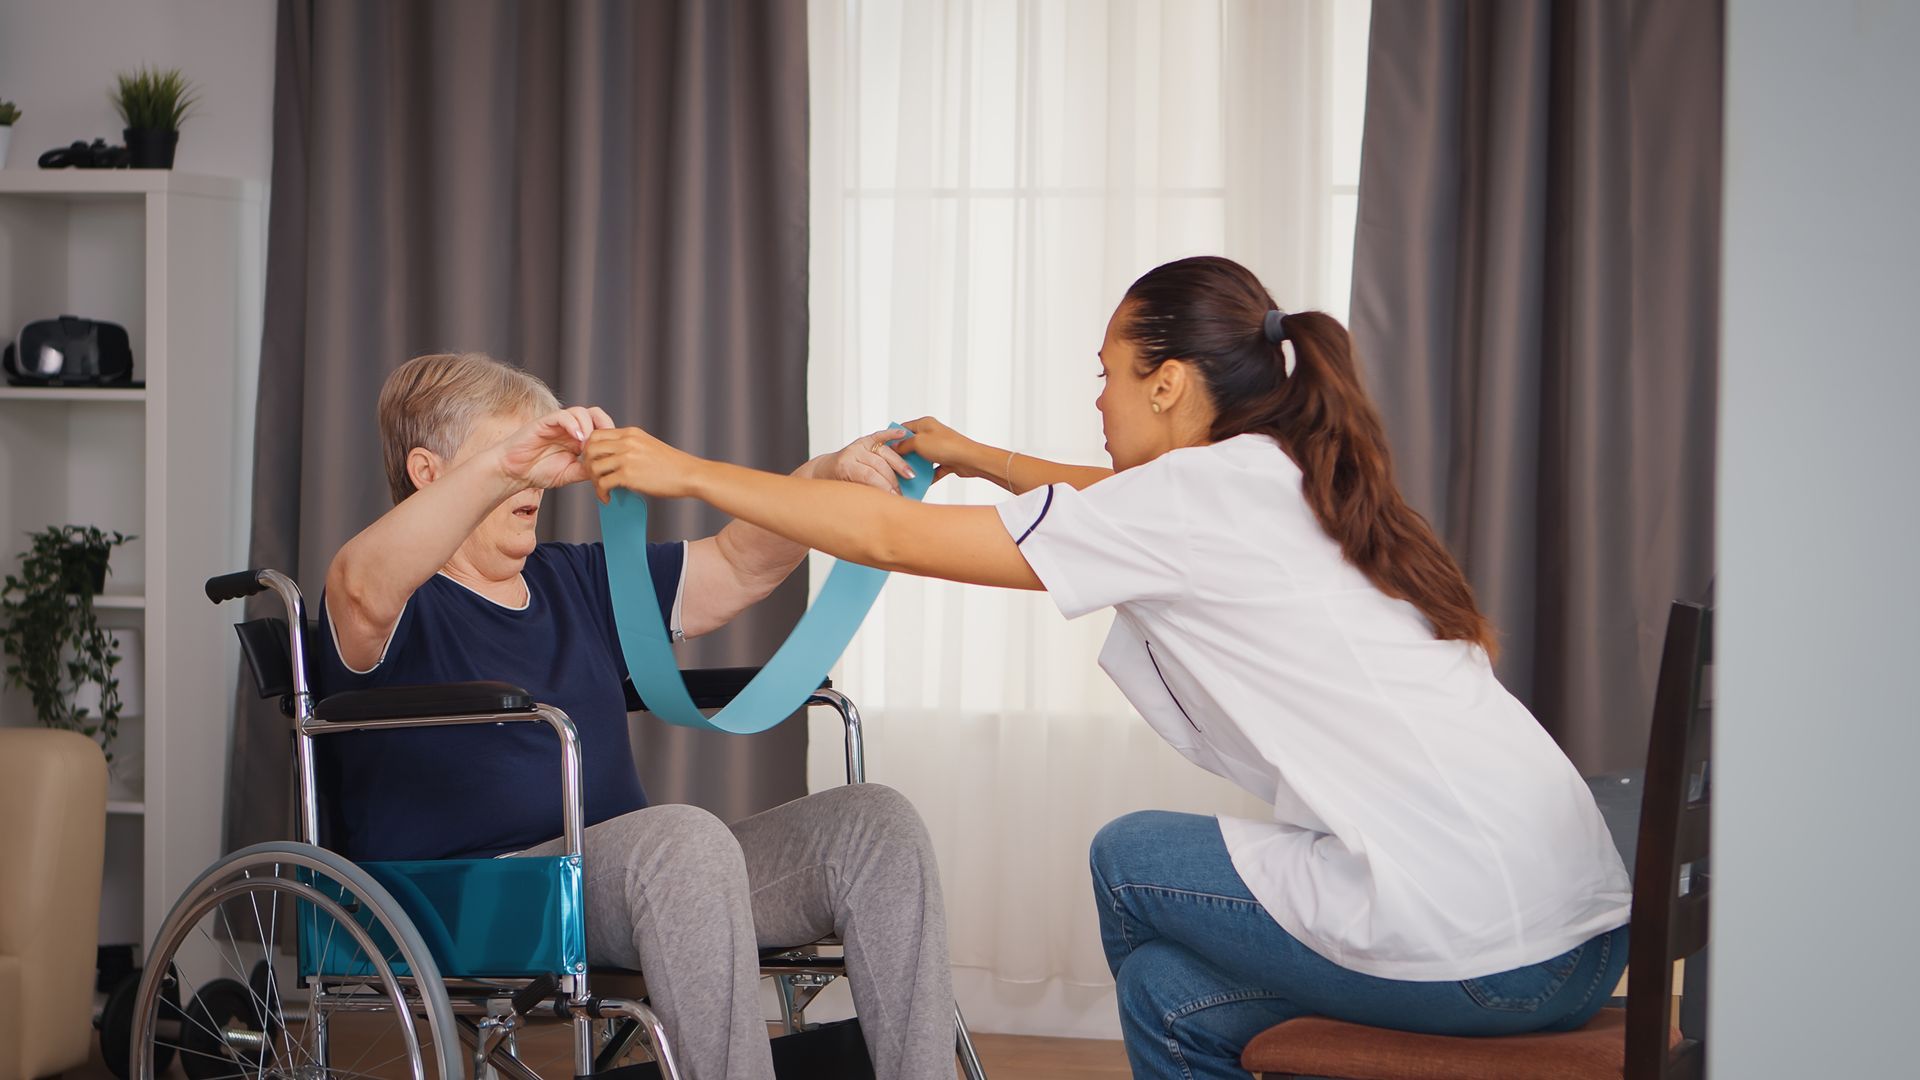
<point x="52" y="639"/>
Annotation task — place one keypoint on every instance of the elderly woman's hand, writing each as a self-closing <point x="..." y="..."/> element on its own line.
<point x="866" y="460"/>
<point x="546" y="452"/>
<point x="630" y="458"/>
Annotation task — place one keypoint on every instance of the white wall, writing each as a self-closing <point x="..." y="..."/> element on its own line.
<point x="58" y="59"/>
<point x="57" y="62"/>
<point x="1818" y="722"/>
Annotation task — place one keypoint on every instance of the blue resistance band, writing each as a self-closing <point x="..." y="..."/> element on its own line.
<point x="787" y="680"/>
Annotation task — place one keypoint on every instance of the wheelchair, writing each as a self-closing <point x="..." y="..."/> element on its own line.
<point x="429" y="970"/>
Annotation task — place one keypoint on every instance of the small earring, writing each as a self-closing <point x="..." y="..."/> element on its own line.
<point x="1156" y="406"/>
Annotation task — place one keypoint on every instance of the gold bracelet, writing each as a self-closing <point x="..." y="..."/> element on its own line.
<point x="1008" y="471"/>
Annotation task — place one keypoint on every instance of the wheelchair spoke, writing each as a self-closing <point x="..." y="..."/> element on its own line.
<point x="363" y="1011"/>
<point x="352" y="1070"/>
<point x="187" y="994"/>
<point x="268" y="1008"/>
<point x="315" y="994"/>
<point x="245" y="978"/>
<point x="367" y="1049"/>
<point x="231" y="954"/>
<point x="264" y="1008"/>
<point x="399" y="1008"/>
<point x="400" y="1057"/>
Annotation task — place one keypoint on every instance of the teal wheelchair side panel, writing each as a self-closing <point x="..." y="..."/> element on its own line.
<point x="480" y="918"/>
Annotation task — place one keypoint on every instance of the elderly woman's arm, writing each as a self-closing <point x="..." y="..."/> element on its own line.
<point x="741" y="564"/>
<point x="374" y="574"/>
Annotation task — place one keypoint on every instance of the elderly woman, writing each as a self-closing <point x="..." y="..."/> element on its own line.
<point x="452" y="585"/>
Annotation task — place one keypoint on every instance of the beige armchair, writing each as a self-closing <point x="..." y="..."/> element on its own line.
<point x="53" y="834"/>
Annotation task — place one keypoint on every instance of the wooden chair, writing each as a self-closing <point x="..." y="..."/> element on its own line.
<point x="1638" y="1042"/>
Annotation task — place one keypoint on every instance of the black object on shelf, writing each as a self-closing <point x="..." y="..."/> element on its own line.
<point x="70" y="351"/>
<point x="81" y="154"/>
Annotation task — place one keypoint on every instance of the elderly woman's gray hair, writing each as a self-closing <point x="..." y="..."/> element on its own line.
<point x="434" y="401"/>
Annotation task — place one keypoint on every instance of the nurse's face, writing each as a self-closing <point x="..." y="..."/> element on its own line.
<point x="1134" y="432"/>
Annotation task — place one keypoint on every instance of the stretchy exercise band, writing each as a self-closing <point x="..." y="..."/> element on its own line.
<point x="787" y="680"/>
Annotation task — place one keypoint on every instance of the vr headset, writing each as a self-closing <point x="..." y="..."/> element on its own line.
<point x="70" y="351"/>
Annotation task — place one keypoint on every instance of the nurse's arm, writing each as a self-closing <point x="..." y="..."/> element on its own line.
<point x="861" y="524"/>
<point x="1019" y="473"/>
<point x="731" y="571"/>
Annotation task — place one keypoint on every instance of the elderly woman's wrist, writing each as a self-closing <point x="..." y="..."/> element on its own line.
<point x="499" y="469"/>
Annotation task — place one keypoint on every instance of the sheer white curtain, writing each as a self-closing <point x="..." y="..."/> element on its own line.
<point x="987" y="178"/>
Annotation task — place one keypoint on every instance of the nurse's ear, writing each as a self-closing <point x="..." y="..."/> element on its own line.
<point x="1169" y="385"/>
<point x="1177" y="390"/>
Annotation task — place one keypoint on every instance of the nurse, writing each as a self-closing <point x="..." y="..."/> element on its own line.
<point x="1432" y="861"/>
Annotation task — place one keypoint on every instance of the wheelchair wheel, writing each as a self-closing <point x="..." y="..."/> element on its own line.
<point x="116" y="1026"/>
<point x="379" y="1010"/>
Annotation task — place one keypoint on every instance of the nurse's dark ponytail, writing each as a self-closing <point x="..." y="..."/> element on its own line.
<point x="1212" y="314"/>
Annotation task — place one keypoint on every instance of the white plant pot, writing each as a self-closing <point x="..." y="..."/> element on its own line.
<point x="6" y="136"/>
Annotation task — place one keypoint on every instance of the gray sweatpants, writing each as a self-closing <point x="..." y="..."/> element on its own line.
<point x="672" y="891"/>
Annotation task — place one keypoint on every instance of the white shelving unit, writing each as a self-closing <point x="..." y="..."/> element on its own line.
<point x="164" y="254"/>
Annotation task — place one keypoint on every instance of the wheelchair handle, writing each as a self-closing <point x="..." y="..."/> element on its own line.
<point x="235" y="585"/>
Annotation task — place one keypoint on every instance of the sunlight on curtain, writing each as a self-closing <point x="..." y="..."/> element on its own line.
<point x="987" y="178"/>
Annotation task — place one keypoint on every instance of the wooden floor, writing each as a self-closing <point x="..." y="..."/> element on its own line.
<point x="1004" y="1057"/>
<point x="1032" y="1057"/>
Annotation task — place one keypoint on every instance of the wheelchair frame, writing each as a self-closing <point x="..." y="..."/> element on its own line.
<point x="488" y="1013"/>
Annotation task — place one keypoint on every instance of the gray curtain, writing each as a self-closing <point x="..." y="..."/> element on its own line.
<point x="1536" y="287"/>
<point x="611" y="194"/>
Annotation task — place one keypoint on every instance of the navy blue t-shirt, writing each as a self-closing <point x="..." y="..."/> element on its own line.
<point x="479" y="791"/>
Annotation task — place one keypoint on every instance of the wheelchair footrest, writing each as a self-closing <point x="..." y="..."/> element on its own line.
<point x="836" y="1049"/>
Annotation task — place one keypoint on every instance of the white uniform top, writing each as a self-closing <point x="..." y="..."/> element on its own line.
<point x="1425" y="827"/>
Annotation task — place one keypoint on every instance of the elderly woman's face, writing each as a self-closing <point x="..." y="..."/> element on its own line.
<point x="508" y="530"/>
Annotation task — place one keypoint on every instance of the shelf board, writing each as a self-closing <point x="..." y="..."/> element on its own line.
<point x="119" y="601"/>
<point x="116" y="806"/>
<point x="109" y="183"/>
<point x="72" y="393"/>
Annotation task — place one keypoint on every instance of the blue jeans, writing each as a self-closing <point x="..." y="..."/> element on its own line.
<point x="1201" y="968"/>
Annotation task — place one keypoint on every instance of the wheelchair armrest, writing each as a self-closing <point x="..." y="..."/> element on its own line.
<point x="448" y="704"/>
<point x="422" y="702"/>
<point x="710" y="688"/>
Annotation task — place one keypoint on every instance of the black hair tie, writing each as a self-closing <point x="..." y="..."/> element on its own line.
<point x="1275" y="327"/>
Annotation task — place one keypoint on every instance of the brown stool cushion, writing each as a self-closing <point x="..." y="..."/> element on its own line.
<point x="1316" y="1046"/>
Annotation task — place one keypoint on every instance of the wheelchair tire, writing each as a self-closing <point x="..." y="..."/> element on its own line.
<point x="116" y="1026"/>
<point x="228" y="1020"/>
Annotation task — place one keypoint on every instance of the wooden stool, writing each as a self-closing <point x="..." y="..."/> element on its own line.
<point x="1316" y="1046"/>
<point x="1637" y="1042"/>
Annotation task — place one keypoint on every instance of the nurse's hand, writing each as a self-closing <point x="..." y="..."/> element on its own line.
<point x="632" y="459"/>
<point x="954" y="453"/>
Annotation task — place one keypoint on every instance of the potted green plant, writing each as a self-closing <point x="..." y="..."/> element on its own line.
<point x="153" y="103"/>
<point x="9" y="112"/>
<point x="54" y="643"/>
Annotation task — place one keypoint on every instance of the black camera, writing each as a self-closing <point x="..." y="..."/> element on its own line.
<point x="70" y="351"/>
<point x="84" y="155"/>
